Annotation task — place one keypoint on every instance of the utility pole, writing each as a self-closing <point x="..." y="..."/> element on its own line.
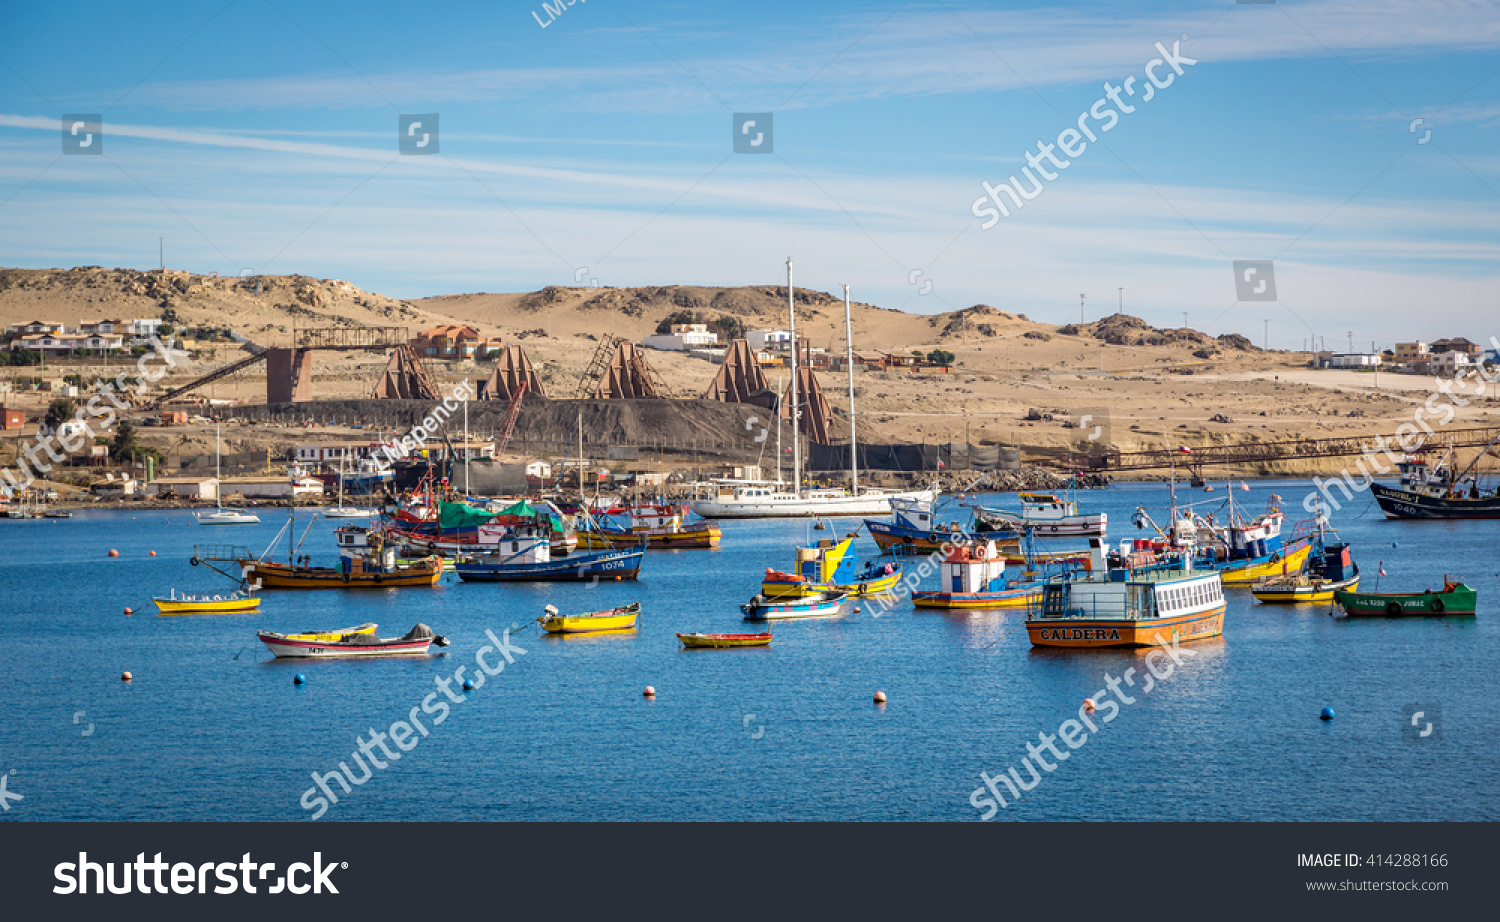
<point x="1080" y="308"/>
<point x="1351" y="341"/>
<point x="1184" y="320"/>
<point x="161" y="252"/>
<point x="1122" y="299"/>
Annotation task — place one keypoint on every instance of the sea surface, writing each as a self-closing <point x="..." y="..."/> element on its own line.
<point x="211" y="728"/>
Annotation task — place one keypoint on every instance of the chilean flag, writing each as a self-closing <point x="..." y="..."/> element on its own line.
<point x="1382" y="569"/>
<point x="1184" y="449"/>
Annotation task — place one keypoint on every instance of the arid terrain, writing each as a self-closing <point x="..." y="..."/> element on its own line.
<point x="1156" y="387"/>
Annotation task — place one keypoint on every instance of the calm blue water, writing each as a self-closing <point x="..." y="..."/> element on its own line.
<point x="787" y="732"/>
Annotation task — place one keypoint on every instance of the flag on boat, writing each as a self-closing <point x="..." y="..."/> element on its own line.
<point x="1382" y="569"/>
<point x="1184" y="449"/>
<point x="1244" y="485"/>
<point x="940" y="462"/>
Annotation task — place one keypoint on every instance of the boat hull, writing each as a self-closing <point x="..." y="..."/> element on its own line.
<point x="281" y="576"/>
<point x="1019" y="597"/>
<point x="695" y="539"/>
<point x="1073" y="526"/>
<point x="1289" y="560"/>
<point x="779" y="589"/>
<point x="762" y="609"/>
<point x="619" y="619"/>
<point x="1458" y="601"/>
<point x="1406" y="504"/>
<point x="289" y="648"/>
<point x="705" y="641"/>
<point x="210" y="607"/>
<point x="579" y="567"/>
<point x="1097" y="633"/>
<point x="1316" y="591"/>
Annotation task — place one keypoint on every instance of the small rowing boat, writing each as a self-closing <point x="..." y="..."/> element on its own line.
<point x="700" y="641"/>
<point x="822" y="605"/>
<point x="355" y="644"/>
<point x="234" y="603"/>
<point x="591" y="622"/>
<point x="1455" y="599"/>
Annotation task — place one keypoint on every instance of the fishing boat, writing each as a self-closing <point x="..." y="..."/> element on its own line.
<point x="220" y="515"/>
<point x="829" y="567"/>
<point x="753" y="499"/>
<point x="1331" y="571"/>
<point x="593" y="622"/>
<point x="1439" y="493"/>
<point x="663" y="525"/>
<point x="57" y="515"/>
<point x="366" y="561"/>
<point x="231" y="604"/>
<point x="1127" y="607"/>
<point x="460" y="529"/>
<point x="1455" y="598"/>
<point x="529" y="559"/>
<point x="1048" y="515"/>
<point x="822" y="605"/>
<point x="973" y="576"/>
<point x="914" y="529"/>
<point x="416" y="642"/>
<point x="1244" y="549"/>
<point x="699" y="641"/>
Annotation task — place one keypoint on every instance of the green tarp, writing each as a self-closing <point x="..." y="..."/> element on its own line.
<point x="453" y="516"/>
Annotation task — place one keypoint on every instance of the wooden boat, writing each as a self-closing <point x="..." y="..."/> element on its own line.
<point x="1455" y="598"/>
<point x="822" y="605"/>
<point x="234" y="603"/>
<point x="1127" y="608"/>
<point x="530" y="560"/>
<point x="352" y="573"/>
<point x="366" y="628"/>
<point x="829" y="567"/>
<point x="1288" y="561"/>
<point x="663" y="525"/>
<point x="972" y="576"/>
<point x="1439" y="493"/>
<point x="1048" y="516"/>
<point x="358" y="644"/>
<point x="1332" y="570"/>
<point x="914" y="529"/>
<point x="696" y="641"/>
<point x="592" y="622"/>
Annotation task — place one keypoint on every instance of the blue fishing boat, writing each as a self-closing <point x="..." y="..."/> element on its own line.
<point x="529" y="559"/>
<point x="822" y="605"/>
<point x="914" y="529"/>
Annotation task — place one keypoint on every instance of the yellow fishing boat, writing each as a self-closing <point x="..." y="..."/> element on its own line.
<point x="1289" y="561"/>
<point x="829" y="567"/>
<point x="233" y="604"/>
<point x="592" y="622"/>
<point x="331" y="636"/>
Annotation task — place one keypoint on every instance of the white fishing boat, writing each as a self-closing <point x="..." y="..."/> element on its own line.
<point x="220" y="515"/>
<point x="756" y="499"/>
<point x="1047" y="515"/>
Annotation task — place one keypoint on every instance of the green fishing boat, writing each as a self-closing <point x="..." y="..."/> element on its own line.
<point x="1454" y="599"/>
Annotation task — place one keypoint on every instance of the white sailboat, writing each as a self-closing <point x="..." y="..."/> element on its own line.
<point x="745" y="499"/>
<point x="222" y="516"/>
<point x="341" y="511"/>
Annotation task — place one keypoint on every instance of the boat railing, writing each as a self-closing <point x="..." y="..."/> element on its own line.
<point x="1094" y="607"/>
<point x="228" y="553"/>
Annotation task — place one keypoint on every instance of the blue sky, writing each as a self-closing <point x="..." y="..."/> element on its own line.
<point x="262" y="136"/>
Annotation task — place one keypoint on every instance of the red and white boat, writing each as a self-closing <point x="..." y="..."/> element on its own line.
<point x="357" y="643"/>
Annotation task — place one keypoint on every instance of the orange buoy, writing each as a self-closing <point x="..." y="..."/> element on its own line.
<point x="880" y="697"/>
<point x="650" y="692"/>
<point x="126" y="677"/>
<point x="856" y="609"/>
<point x="1088" y="704"/>
<point x="153" y="553"/>
<point x="129" y="610"/>
<point x="114" y="553"/>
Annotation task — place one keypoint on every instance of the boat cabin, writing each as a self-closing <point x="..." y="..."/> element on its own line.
<point x="975" y="567"/>
<point x="1046" y="507"/>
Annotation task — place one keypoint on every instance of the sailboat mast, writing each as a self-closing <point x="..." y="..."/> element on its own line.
<point x="466" y="446"/>
<point x="780" y="392"/>
<point x="218" y="477"/>
<point x="580" y="456"/>
<point x="849" y="364"/>
<point x="791" y="310"/>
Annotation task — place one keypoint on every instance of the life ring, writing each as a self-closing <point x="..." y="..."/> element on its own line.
<point x="1393" y="608"/>
<point x="979" y="552"/>
<point x="1436" y="604"/>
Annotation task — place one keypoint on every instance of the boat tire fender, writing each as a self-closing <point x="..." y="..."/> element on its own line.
<point x="1436" y="604"/>
<point x="346" y="577"/>
<point x="195" y="561"/>
<point x="379" y="578"/>
<point x="1393" y="608"/>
